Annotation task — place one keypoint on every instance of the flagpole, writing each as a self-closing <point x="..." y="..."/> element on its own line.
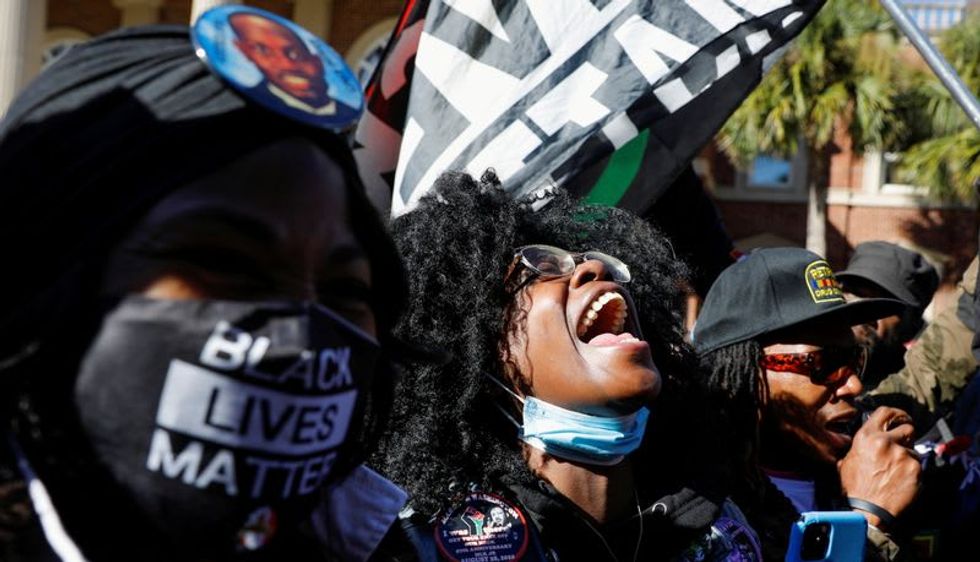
<point x="937" y="63"/>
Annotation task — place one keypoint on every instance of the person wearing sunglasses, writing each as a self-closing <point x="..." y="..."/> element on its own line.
<point x="783" y="366"/>
<point x="566" y="397"/>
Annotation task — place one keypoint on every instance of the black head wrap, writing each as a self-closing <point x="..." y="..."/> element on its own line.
<point x="91" y="145"/>
<point x="107" y="131"/>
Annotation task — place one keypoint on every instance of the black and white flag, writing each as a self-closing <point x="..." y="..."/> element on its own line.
<point x="540" y="90"/>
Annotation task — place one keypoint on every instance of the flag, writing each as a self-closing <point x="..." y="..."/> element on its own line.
<point x="379" y="132"/>
<point x="544" y="91"/>
<point x="687" y="215"/>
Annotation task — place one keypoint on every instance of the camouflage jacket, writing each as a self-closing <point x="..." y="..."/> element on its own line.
<point x="941" y="363"/>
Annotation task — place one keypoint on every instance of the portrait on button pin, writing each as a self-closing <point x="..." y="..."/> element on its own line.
<point x="280" y="65"/>
<point x="483" y="528"/>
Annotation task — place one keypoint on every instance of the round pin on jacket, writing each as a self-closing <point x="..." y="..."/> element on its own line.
<point x="279" y="65"/>
<point x="482" y="527"/>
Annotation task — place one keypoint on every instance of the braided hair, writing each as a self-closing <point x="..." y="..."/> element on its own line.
<point x="737" y="390"/>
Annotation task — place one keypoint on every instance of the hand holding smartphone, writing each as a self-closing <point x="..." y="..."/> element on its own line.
<point x="831" y="536"/>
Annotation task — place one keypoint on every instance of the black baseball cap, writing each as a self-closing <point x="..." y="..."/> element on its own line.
<point x="776" y="288"/>
<point x="905" y="274"/>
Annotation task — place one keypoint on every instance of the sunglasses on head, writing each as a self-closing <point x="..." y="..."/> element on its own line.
<point x="549" y="262"/>
<point x="826" y="366"/>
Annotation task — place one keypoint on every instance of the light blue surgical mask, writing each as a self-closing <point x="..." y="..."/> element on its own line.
<point x="579" y="437"/>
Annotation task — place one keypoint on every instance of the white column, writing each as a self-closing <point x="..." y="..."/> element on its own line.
<point x="314" y="15"/>
<point x="138" y="12"/>
<point x="22" y="24"/>
<point x="201" y="6"/>
<point x="873" y="171"/>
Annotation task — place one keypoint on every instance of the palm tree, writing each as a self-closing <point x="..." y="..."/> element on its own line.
<point x="841" y="72"/>
<point x="945" y="155"/>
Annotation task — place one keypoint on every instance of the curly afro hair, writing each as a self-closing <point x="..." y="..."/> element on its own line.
<point x="447" y="431"/>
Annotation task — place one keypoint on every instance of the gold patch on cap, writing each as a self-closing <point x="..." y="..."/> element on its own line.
<point x="823" y="286"/>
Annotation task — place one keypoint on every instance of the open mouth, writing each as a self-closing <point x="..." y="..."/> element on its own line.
<point x="294" y="80"/>
<point x="605" y="319"/>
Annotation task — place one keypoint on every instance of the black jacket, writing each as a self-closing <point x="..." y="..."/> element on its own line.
<point x="681" y="526"/>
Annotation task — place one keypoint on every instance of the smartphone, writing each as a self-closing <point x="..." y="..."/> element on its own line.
<point x="831" y="536"/>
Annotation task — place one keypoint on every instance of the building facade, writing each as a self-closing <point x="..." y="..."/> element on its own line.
<point x="764" y="205"/>
<point x="767" y="203"/>
<point x="34" y="32"/>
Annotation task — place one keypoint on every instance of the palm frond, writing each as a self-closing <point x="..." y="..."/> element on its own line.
<point x="823" y="77"/>
<point x="947" y="157"/>
<point x="948" y="165"/>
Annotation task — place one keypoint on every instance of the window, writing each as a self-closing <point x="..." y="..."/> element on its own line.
<point x="882" y="183"/>
<point x="890" y="173"/>
<point x="933" y="16"/>
<point x="770" y="172"/>
<point x="769" y="177"/>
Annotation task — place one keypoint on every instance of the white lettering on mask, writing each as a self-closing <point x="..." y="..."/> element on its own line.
<point x="221" y="469"/>
<point x="283" y="478"/>
<point x="231" y="349"/>
<point x="203" y="404"/>
<point x="311" y="473"/>
<point x="248" y="430"/>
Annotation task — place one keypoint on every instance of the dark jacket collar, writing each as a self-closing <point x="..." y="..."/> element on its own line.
<point x="669" y="524"/>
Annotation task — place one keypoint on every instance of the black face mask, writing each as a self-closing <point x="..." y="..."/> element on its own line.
<point x="222" y="420"/>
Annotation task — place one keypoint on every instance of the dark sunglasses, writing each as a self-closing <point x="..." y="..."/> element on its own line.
<point x="827" y="366"/>
<point x="549" y="262"/>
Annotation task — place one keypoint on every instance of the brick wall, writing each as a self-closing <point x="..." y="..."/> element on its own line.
<point x="846" y="167"/>
<point x="351" y="18"/>
<point x="94" y="17"/>
<point x="179" y="11"/>
<point x="282" y="8"/>
<point x="952" y="232"/>
<point x="176" y="12"/>
<point x="747" y="218"/>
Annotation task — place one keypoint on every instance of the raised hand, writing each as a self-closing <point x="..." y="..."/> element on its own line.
<point x="881" y="468"/>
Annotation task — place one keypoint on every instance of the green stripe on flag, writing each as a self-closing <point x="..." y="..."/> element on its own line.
<point x="620" y="172"/>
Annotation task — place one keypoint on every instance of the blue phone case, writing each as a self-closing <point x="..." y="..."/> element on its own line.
<point x="843" y="541"/>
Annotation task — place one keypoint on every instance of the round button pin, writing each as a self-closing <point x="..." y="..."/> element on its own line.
<point x="482" y="527"/>
<point x="279" y="65"/>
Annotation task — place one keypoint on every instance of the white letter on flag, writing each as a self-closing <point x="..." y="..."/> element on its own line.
<point x="642" y="41"/>
<point x="571" y="101"/>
